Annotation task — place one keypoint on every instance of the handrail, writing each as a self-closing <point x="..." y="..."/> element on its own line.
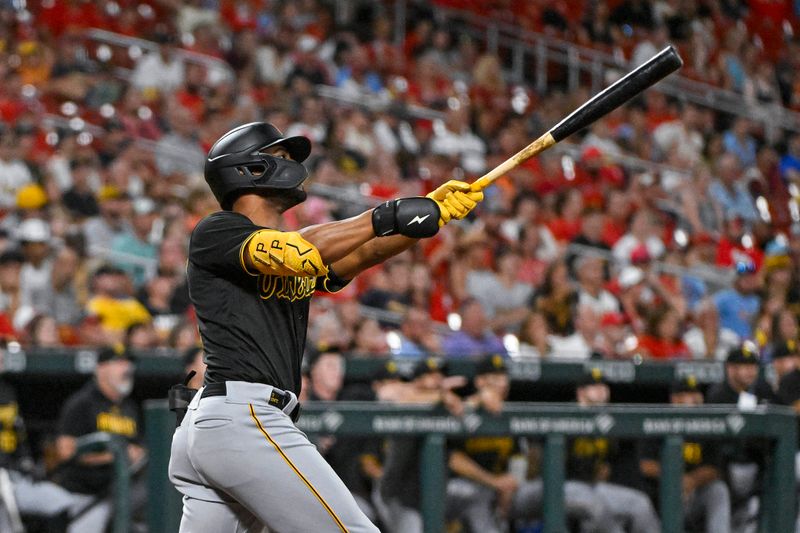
<point x="106" y="442"/>
<point x="545" y="47"/>
<point x="118" y="39"/>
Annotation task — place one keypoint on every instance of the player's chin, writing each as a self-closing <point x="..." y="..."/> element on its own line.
<point x="286" y="199"/>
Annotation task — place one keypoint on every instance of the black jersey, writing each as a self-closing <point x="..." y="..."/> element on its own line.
<point x="253" y="326"/>
<point x="89" y="411"/>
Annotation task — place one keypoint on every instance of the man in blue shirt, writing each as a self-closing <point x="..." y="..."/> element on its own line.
<point x="738" y="306"/>
<point x="730" y="192"/>
<point x="473" y="338"/>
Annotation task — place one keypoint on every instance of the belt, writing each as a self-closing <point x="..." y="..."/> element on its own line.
<point x="277" y="397"/>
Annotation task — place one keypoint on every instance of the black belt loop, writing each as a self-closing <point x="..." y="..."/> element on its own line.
<point x="277" y="397"/>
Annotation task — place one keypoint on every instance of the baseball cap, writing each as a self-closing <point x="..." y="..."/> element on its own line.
<point x="388" y="370"/>
<point x="592" y="376"/>
<point x="685" y="384"/>
<point x="746" y="354"/>
<point x="116" y="352"/>
<point x="31" y="197"/>
<point x="429" y="365"/>
<point x="34" y="230"/>
<point x="785" y="349"/>
<point x="491" y="364"/>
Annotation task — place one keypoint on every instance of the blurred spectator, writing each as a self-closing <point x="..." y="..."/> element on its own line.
<point x="644" y="231"/>
<point x="591" y="235"/>
<point x="784" y="359"/>
<point x="133" y="252"/>
<point x="706" y="498"/>
<point x="581" y="343"/>
<point x="663" y="336"/>
<point x="589" y="270"/>
<point x="111" y="305"/>
<point x="392" y="290"/>
<point x="790" y="162"/>
<point x="454" y="138"/>
<point x="79" y="198"/>
<point x="534" y="336"/>
<point x="417" y="337"/>
<point x="141" y="336"/>
<point x="100" y="231"/>
<point x="42" y="332"/>
<point x="369" y="340"/>
<point x="730" y="191"/>
<point x="14" y="174"/>
<point x="183" y="336"/>
<point x="557" y="299"/>
<point x="503" y="298"/>
<point x="161" y="71"/>
<point x="36" y="293"/>
<point x="179" y="152"/>
<point x="473" y="338"/>
<point x="738" y="142"/>
<point x="737" y="307"/>
<point x="102" y="405"/>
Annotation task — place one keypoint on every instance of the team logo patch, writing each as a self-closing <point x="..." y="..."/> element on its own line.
<point x="287" y="287"/>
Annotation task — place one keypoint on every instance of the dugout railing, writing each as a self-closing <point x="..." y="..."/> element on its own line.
<point x="553" y="423"/>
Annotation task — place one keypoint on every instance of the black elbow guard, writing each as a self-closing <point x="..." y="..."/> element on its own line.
<point x="416" y="217"/>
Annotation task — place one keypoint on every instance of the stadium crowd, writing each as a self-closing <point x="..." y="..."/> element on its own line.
<point x="576" y="254"/>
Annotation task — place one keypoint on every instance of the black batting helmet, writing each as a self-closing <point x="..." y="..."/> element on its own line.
<point x="237" y="164"/>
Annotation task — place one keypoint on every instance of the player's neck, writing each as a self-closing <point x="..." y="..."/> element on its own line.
<point x="258" y="209"/>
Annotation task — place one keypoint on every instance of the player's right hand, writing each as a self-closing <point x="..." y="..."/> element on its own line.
<point x="455" y="199"/>
<point x="284" y="253"/>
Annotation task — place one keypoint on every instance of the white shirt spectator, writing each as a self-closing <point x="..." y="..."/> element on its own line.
<point x="628" y="243"/>
<point x="603" y="303"/>
<point x="571" y="347"/>
<point x="465" y="145"/>
<point x="673" y="135"/>
<point x="151" y="72"/>
<point x="13" y="175"/>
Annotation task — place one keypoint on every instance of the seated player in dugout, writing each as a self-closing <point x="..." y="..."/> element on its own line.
<point x="251" y="285"/>
<point x="706" y="498"/>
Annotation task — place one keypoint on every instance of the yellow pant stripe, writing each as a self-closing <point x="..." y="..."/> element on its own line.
<point x="296" y="471"/>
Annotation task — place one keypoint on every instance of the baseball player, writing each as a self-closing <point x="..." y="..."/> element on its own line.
<point x="237" y="458"/>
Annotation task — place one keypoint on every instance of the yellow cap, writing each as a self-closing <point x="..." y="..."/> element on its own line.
<point x="31" y="197"/>
<point x="108" y="192"/>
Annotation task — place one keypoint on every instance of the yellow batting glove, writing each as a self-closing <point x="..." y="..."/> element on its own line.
<point x="284" y="253"/>
<point x="455" y="200"/>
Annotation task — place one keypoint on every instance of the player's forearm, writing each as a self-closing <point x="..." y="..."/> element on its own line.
<point x="703" y="475"/>
<point x="336" y="240"/>
<point x="370" y="254"/>
<point x="462" y="465"/>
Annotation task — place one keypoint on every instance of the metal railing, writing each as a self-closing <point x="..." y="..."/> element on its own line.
<point x="525" y="46"/>
<point x="549" y="422"/>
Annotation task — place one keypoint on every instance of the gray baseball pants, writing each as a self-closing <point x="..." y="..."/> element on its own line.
<point x="711" y="505"/>
<point x="241" y="465"/>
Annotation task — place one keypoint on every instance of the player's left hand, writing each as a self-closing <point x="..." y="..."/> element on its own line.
<point x="455" y="200"/>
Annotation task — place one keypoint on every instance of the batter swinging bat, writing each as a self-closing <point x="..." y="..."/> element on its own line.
<point x="636" y="81"/>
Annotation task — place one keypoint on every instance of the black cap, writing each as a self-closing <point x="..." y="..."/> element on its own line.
<point x="113" y="353"/>
<point x="429" y="365"/>
<point x="491" y="364"/>
<point x="785" y="349"/>
<point x="11" y="256"/>
<point x="314" y="353"/>
<point x="685" y="384"/>
<point x="746" y="354"/>
<point x="104" y="270"/>
<point x="592" y="376"/>
<point x="388" y="370"/>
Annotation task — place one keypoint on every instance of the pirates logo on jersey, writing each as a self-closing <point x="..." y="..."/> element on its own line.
<point x="287" y="287"/>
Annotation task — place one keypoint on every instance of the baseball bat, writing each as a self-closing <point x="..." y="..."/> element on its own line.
<point x="660" y="65"/>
